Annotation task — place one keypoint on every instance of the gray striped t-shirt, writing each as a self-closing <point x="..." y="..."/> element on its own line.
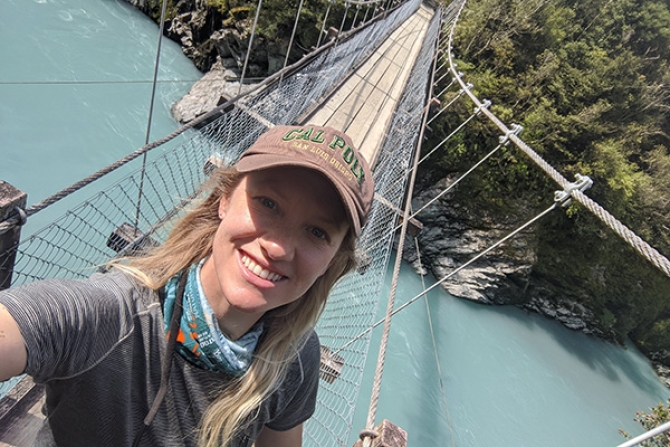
<point x="97" y="346"/>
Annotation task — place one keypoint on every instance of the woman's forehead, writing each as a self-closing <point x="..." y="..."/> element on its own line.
<point x="298" y="183"/>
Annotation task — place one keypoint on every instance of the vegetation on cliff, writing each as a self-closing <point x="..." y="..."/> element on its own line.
<point x="589" y="81"/>
<point x="200" y="25"/>
<point x="658" y="415"/>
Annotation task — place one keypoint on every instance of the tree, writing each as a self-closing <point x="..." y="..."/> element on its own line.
<point x="658" y="415"/>
<point x="589" y="81"/>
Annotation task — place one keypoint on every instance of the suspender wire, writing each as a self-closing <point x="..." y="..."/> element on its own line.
<point x="480" y="255"/>
<point x="323" y="25"/>
<point x="448" y="137"/>
<point x="447" y="73"/>
<point x="379" y="370"/>
<point x="455" y="98"/>
<point x="459" y="179"/>
<point x="432" y="337"/>
<point x="344" y="18"/>
<point x="251" y="41"/>
<point x="460" y="93"/>
<point x="353" y="23"/>
<point x="151" y="112"/>
<point x="449" y="275"/>
<point x="450" y="187"/>
<point x="295" y="28"/>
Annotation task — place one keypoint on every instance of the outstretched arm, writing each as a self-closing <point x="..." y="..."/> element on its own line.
<point x="12" y="347"/>
<point x="274" y="438"/>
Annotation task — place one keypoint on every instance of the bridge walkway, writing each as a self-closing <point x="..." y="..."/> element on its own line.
<point x="363" y="105"/>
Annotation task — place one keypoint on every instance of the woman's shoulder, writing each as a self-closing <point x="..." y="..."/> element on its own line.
<point x="306" y="363"/>
<point x="108" y="292"/>
<point x="122" y="285"/>
<point x="311" y="347"/>
<point x="69" y="324"/>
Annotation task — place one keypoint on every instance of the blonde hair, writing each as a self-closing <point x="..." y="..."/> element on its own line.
<point x="286" y="327"/>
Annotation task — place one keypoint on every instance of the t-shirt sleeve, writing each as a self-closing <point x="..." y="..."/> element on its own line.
<point x="303" y="377"/>
<point x="68" y="325"/>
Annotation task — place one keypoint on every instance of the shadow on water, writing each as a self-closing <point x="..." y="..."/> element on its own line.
<point x="608" y="359"/>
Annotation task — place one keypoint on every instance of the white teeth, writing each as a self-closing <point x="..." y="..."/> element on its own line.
<point x="260" y="271"/>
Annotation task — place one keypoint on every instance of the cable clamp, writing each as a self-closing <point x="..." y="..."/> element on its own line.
<point x="9" y="223"/>
<point x="368" y="433"/>
<point x="515" y="130"/>
<point x="564" y="198"/>
<point x="23" y="217"/>
<point x="485" y="105"/>
<point x="462" y="91"/>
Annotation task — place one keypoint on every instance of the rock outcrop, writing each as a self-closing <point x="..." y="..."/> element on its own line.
<point x="453" y="234"/>
<point x="213" y="89"/>
<point x="208" y="36"/>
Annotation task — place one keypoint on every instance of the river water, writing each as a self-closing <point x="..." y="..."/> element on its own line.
<point x="74" y="95"/>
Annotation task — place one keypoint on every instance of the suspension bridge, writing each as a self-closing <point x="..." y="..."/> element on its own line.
<point x="376" y="82"/>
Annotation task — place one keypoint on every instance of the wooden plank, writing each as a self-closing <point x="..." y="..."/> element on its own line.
<point x="21" y="415"/>
<point x="364" y="105"/>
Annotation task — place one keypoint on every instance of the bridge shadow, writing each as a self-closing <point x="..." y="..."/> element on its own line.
<point x="612" y="361"/>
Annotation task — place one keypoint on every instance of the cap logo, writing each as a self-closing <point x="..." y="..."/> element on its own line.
<point x="349" y="163"/>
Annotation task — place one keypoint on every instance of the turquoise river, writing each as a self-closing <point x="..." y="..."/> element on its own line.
<point x="74" y="96"/>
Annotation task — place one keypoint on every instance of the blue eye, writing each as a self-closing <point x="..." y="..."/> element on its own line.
<point x="268" y="203"/>
<point x="319" y="233"/>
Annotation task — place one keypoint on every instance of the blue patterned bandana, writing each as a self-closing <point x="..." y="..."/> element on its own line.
<point x="200" y="340"/>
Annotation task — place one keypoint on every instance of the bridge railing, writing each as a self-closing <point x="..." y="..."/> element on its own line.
<point x="140" y="208"/>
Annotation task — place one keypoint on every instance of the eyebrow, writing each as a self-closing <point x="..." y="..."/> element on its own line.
<point x="323" y="219"/>
<point x="330" y="221"/>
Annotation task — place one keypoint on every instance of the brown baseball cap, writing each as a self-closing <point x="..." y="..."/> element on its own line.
<point x="323" y="149"/>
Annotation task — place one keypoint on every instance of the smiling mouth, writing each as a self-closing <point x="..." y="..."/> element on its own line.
<point x="260" y="271"/>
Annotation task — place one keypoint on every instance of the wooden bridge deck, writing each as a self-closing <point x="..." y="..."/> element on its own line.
<point x="364" y="104"/>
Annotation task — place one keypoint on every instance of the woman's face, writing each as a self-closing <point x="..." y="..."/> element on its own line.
<point x="280" y="230"/>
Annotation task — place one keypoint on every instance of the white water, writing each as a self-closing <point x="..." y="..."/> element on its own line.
<point x="510" y="378"/>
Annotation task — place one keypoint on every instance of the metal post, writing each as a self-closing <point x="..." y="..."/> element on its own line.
<point x="12" y="203"/>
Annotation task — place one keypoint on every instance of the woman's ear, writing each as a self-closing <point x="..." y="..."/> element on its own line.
<point x="223" y="207"/>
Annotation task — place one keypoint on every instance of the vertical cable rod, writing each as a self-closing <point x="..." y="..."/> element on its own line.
<point x="151" y="112"/>
<point x="251" y="41"/>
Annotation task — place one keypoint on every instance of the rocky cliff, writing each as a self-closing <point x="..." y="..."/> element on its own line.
<point x="454" y="233"/>
<point x="210" y="33"/>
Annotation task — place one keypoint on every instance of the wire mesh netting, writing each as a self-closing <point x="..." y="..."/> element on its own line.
<point x="352" y="304"/>
<point x="140" y="208"/>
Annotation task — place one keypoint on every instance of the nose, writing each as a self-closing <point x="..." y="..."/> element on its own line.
<point x="279" y="244"/>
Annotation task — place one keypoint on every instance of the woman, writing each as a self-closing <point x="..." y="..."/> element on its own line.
<point x="208" y="339"/>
